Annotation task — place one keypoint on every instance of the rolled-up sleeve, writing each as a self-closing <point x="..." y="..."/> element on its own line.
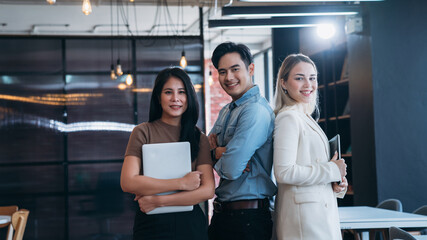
<point x="251" y="132"/>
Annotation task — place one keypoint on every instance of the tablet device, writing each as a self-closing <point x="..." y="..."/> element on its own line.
<point x="335" y="146"/>
<point x="167" y="161"/>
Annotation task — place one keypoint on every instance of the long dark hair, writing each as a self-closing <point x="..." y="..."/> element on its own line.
<point x="189" y="131"/>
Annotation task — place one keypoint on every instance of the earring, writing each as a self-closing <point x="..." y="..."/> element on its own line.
<point x="286" y="91"/>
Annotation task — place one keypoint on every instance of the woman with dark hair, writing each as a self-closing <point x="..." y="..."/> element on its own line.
<point x="173" y="116"/>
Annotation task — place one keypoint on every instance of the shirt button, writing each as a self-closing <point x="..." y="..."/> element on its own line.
<point x="317" y="160"/>
<point x="326" y="205"/>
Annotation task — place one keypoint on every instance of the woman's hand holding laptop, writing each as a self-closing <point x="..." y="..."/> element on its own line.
<point x="190" y="181"/>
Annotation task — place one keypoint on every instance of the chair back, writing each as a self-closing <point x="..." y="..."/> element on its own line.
<point x="397" y="233"/>
<point x="8" y="211"/>
<point x="19" y="221"/>
<point x="391" y="204"/>
<point x="421" y="210"/>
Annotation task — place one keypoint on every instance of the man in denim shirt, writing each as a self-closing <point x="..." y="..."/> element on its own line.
<point x="242" y="148"/>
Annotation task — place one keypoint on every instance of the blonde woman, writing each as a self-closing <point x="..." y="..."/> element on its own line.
<point x="306" y="205"/>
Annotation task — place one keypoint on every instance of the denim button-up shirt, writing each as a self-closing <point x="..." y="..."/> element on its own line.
<point x="245" y="127"/>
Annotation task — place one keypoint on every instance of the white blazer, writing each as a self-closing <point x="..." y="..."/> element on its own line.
<point x="306" y="206"/>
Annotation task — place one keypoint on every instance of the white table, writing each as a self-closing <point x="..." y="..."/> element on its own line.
<point x="421" y="237"/>
<point x="365" y="218"/>
<point x="4" y="219"/>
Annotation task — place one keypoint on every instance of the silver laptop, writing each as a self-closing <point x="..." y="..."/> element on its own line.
<point x="167" y="161"/>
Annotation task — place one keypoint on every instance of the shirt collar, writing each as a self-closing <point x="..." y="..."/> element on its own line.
<point x="249" y="94"/>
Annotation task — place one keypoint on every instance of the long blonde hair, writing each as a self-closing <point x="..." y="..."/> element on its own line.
<point x="282" y="98"/>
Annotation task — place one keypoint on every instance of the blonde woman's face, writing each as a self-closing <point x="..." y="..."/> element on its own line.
<point x="302" y="83"/>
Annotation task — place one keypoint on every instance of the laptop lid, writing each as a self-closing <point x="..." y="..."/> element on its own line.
<point x="167" y="161"/>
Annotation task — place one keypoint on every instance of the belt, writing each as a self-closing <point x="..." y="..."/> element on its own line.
<point x="240" y="204"/>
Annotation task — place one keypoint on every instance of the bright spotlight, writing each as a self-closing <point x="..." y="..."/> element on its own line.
<point x="326" y="31"/>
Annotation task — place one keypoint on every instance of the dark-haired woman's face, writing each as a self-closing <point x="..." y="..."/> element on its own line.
<point x="173" y="99"/>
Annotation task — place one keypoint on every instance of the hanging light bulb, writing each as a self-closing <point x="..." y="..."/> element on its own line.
<point x="113" y="75"/>
<point x="119" y="71"/>
<point x="129" y="80"/>
<point x="183" y="61"/>
<point x="51" y="1"/>
<point x="86" y="7"/>
<point x="210" y="79"/>
<point x="122" y="86"/>
<point x="131" y="0"/>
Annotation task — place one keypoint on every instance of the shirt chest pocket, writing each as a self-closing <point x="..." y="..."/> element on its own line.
<point x="229" y="133"/>
<point x="218" y="129"/>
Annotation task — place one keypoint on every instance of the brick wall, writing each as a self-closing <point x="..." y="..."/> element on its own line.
<point x="215" y="99"/>
<point x="215" y="96"/>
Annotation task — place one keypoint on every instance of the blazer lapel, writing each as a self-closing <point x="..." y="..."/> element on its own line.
<point x="313" y="124"/>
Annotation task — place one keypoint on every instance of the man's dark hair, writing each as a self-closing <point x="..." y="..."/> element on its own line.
<point x="230" y="47"/>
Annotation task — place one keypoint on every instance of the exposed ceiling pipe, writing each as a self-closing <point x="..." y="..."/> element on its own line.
<point x="35" y="27"/>
<point x="229" y="4"/>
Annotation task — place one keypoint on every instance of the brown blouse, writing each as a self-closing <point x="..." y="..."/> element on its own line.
<point x="160" y="132"/>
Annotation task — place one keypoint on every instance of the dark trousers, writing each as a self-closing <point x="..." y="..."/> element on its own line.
<point x="247" y="224"/>
<point x="171" y="226"/>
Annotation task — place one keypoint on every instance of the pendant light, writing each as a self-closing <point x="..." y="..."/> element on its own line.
<point x="129" y="80"/>
<point x="121" y="86"/>
<point x="210" y="79"/>
<point x="119" y="70"/>
<point x="86" y="7"/>
<point x="183" y="61"/>
<point x="113" y="75"/>
<point x="51" y="2"/>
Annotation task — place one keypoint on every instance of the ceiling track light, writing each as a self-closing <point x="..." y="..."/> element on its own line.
<point x="290" y="11"/>
<point x="305" y="1"/>
<point x="51" y="2"/>
<point x="278" y="22"/>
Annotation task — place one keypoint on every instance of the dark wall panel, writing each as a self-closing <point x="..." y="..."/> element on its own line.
<point x="284" y="42"/>
<point x="399" y="51"/>
<point x="362" y="120"/>
<point x="95" y="54"/>
<point x="31" y="109"/>
<point x="98" y="207"/>
<point x="30" y="55"/>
